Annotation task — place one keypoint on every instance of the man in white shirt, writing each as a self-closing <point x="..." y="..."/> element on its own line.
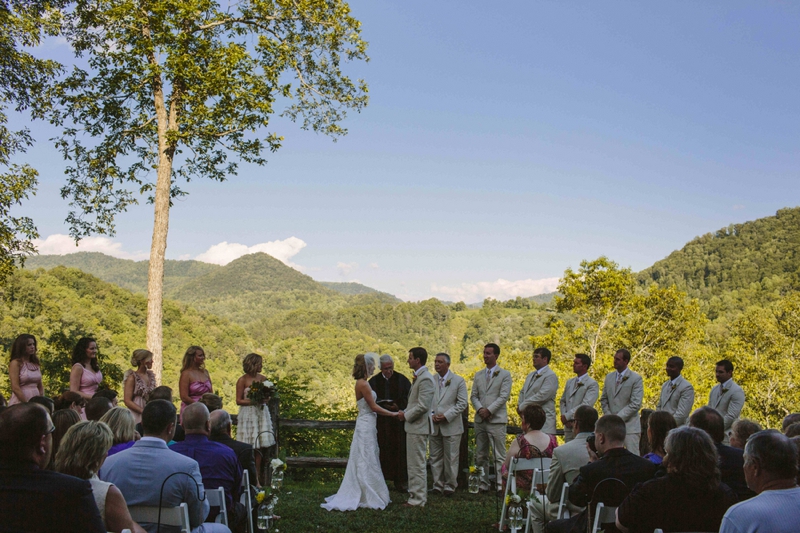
<point x="727" y="397"/>
<point x="770" y="467"/>
<point x="540" y="388"/>
<point x="677" y="394"/>
<point x="622" y="396"/>
<point x="580" y="390"/>
<point x="491" y="389"/>
<point x="449" y="403"/>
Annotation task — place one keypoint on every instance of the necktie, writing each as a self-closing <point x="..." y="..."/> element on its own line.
<point x="619" y="379"/>
<point x="441" y="381"/>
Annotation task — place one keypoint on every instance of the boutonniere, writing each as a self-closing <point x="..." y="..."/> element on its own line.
<point x="580" y="384"/>
<point x="537" y="376"/>
<point x="673" y="386"/>
<point x="722" y="391"/>
<point x="447" y="383"/>
<point x="625" y="379"/>
<point x="414" y="379"/>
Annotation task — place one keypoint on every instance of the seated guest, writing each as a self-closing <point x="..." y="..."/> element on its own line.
<point x="141" y="471"/>
<point x="70" y="400"/>
<point x="659" y="424"/>
<point x="121" y="423"/>
<point x="731" y="460"/>
<point x="689" y="498"/>
<point x="212" y="401"/>
<point x="567" y="461"/>
<point x="788" y="420"/>
<point x="107" y="393"/>
<point x="162" y="393"/>
<point x="97" y="407"/>
<point x="221" y="432"/>
<point x="62" y="420"/>
<point x="612" y="460"/>
<point x="770" y="466"/>
<point x="82" y="452"/>
<point x="33" y="499"/>
<point x="793" y="430"/>
<point x="533" y="442"/>
<point x="219" y="465"/>
<point x="45" y="402"/>
<point x="741" y="431"/>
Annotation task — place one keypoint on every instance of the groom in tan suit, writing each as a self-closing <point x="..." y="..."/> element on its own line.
<point x="449" y="402"/>
<point x="418" y="426"/>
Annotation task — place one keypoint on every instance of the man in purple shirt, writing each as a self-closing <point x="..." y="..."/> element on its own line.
<point x="219" y="465"/>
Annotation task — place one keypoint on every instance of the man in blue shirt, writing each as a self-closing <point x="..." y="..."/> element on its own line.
<point x="219" y="465"/>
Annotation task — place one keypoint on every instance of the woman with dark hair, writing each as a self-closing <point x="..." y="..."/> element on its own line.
<point x="23" y="370"/>
<point x="63" y="419"/>
<point x="530" y="444"/>
<point x="690" y="497"/>
<point x="363" y="484"/>
<point x="83" y="451"/>
<point x="659" y="425"/>
<point x="194" y="381"/>
<point x="70" y="400"/>
<point x="85" y="376"/>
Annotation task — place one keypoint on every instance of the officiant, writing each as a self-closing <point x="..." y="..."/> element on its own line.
<point x="392" y="391"/>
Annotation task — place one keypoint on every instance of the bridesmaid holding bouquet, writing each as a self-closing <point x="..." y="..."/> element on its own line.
<point x="253" y="392"/>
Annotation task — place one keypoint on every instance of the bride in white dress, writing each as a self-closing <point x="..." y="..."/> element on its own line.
<point x="363" y="484"/>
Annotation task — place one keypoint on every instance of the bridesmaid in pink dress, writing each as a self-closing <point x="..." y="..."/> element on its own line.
<point x="85" y="376"/>
<point x="194" y="381"/>
<point x="139" y="383"/>
<point x="23" y="370"/>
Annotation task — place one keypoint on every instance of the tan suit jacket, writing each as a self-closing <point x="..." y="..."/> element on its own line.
<point x="541" y="391"/>
<point x="574" y="396"/>
<point x="729" y="404"/>
<point x="677" y="401"/>
<point x="624" y="401"/>
<point x="420" y="399"/>
<point x="567" y="462"/>
<point x="491" y="395"/>
<point x="450" y="401"/>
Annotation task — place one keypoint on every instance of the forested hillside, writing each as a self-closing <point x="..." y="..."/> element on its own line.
<point x="753" y="263"/>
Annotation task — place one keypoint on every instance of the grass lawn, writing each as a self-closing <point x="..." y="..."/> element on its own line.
<point x="300" y="511"/>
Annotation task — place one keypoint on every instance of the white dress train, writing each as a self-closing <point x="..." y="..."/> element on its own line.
<point x="363" y="484"/>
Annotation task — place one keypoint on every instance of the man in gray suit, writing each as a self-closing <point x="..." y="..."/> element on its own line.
<point x="540" y="389"/>
<point x="622" y="396"/>
<point x="567" y="462"/>
<point x="418" y="426"/>
<point x="491" y="389"/>
<point x="140" y="472"/>
<point x="727" y="397"/>
<point x="677" y="394"/>
<point x="580" y="390"/>
<point x="449" y="402"/>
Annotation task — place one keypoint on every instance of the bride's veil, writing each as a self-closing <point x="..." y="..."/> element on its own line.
<point x="371" y="359"/>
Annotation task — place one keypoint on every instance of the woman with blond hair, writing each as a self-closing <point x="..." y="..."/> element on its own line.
<point x="194" y="381"/>
<point x="363" y="484"/>
<point x="82" y="453"/>
<point x="139" y="383"/>
<point x="254" y="425"/>
<point x="122" y="427"/>
<point x="23" y="370"/>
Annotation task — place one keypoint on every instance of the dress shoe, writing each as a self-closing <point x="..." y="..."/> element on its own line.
<point x="435" y="491"/>
<point x="448" y="493"/>
<point x="410" y="505"/>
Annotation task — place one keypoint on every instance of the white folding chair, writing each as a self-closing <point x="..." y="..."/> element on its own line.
<point x="170" y="516"/>
<point x="562" y="503"/>
<point x="247" y="501"/>
<point x="537" y="463"/>
<point x="603" y="515"/>
<point x="216" y="498"/>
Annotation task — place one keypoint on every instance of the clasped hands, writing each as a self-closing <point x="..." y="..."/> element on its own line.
<point x="484" y="413"/>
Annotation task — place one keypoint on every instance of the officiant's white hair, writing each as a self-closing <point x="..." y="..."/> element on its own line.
<point x="386" y="358"/>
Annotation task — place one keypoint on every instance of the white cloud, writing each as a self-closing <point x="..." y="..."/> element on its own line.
<point x="225" y="252"/>
<point x="345" y="269"/>
<point x="501" y="289"/>
<point x="60" y="244"/>
<point x="738" y="207"/>
<point x="374" y="266"/>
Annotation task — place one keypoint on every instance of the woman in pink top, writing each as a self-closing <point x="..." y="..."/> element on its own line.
<point x="195" y="380"/>
<point x="23" y="370"/>
<point x="85" y="376"/>
<point x="139" y="383"/>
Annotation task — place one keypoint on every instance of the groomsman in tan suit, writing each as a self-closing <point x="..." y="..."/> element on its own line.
<point x="418" y="426"/>
<point x="490" y="392"/>
<point x="727" y="397"/>
<point x="677" y="394"/>
<point x="622" y="396"/>
<point x="449" y="403"/>
<point x="580" y="390"/>
<point x="540" y="389"/>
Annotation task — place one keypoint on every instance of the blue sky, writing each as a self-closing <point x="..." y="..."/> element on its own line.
<point x="508" y="141"/>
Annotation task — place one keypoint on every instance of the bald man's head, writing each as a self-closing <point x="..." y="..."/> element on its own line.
<point x="195" y="418"/>
<point x="220" y="423"/>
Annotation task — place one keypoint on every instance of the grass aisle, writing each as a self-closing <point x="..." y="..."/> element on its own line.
<point x="463" y="512"/>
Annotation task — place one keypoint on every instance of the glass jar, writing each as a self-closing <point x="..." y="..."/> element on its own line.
<point x="277" y="479"/>
<point x="474" y="482"/>
<point x="264" y="516"/>
<point x="515" y="520"/>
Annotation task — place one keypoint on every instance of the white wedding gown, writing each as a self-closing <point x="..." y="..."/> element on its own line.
<point x="363" y="484"/>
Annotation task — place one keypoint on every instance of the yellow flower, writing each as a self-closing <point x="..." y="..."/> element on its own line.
<point x="472" y="470"/>
<point x="260" y="496"/>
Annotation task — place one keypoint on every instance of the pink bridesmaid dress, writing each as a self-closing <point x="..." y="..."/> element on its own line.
<point x="30" y="376"/>
<point x="90" y="380"/>
<point x="196" y="391"/>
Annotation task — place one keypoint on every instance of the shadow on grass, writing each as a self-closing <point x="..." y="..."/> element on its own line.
<point x="300" y="511"/>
